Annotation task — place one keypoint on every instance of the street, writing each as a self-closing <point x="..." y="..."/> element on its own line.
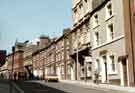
<point x="43" y="87"/>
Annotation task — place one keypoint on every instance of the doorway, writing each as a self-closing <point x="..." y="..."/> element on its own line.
<point x="124" y="65"/>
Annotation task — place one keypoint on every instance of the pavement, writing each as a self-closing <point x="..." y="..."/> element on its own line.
<point x="123" y="89"/>
<point x="4" y="86"/>
<point x="36" y="87"/>
<point x="70" y="87"/>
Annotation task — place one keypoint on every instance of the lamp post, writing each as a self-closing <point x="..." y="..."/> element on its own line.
<point x="44" y="68"/>
<point x="77" y="60"/>
<point x="13" y="51"/>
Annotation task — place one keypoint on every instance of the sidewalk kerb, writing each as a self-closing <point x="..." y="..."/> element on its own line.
<point x="101" y="86"/>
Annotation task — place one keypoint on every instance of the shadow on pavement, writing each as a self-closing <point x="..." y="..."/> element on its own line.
<point x="33" y="87"/>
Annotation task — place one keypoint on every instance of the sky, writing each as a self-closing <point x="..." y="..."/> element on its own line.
<point x="28" y="19"/>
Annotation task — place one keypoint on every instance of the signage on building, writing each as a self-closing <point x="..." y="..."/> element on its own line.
<point x="88" y="59"/>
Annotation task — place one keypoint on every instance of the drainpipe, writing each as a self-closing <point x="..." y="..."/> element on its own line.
<point x="131" y="2"/>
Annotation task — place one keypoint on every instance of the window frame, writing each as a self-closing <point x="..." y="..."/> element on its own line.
<point x="95" y="20"/>
<point x="110" y="32"/>
<point x="108" y="11"/>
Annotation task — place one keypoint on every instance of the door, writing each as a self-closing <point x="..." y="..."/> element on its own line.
<point x="58" y="72"/>
<point x="124" y="63"/>
<point x="72" y="72"/>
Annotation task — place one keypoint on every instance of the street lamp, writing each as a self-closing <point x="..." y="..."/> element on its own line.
<point x="13" y="51"/>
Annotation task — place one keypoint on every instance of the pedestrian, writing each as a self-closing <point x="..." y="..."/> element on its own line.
<point x="15" y="76"/>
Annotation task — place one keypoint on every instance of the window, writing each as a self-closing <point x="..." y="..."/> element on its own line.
<point x="95" y="20"/>
<point x="112" y="63"/>
<point x="110" y="32"/>
<point x="80" y="6"/>
<point x="62" y="69"/>
<point x="69" y="69"/>
<point x="75" y="15"/>
<point x="98" y="65"/>
<point x="96" y="38"/>
<point x="104" y="59"/>
<point x="75" y="12"/>
<point x="109" y="10"/>
<point x="87" y="26"/>
<point x="86" y="1"/>
<point x="62" y="55"/>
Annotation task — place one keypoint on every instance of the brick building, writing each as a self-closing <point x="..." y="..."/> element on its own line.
<point x="27" y="58"/>
<point x="39" y="56"/>
<point x="15" y="61"/>
<point x="60" y="57"/>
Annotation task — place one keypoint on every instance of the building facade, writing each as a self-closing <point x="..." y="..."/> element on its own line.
<point x="60" y="66"/>
<point x="108" y="41"/>
<point x="100" y="42"/>
<point x="27" y="59"/>
<point x="4" y="72"/>
<point x="81" y="46"/>
<point x="129" y="24"/>
<point x="68" y="67"/>
<point x="39" y="57"/>
<point x="98" y="24"/>
<point x="15" y="61"/>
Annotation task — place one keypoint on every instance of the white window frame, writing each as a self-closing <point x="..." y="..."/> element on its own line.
<point x="107" y="14"/>
<point x="96" y="39"/>
<point x="75" y="11"/>
<point x="113" y="63"/>
<point x="110" y="34"/>
<point x="95" y="20"/>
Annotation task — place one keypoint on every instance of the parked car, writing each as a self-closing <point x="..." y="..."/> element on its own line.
<point x="52" y="78"/>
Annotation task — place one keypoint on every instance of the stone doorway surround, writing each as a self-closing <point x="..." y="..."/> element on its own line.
<point x="123" y="70"/>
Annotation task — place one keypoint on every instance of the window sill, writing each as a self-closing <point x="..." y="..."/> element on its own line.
<point x="108" y="42"/>
<point x="94" y="27"/>
<point x="108" y="18"/>
<point x="112" y="73"/>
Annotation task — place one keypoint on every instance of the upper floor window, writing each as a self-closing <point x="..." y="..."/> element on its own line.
<point x="75" y="11"/>
<point x="86" y="1"/>
<point x="75" y="14"/>
<point x="95" y="20"/>
<point x="96" y="36"/>
<point x="80" y="9"/>
<point x="110" y="31"/>
<point x="80" y="6"/>
<point x="109" y="10"/>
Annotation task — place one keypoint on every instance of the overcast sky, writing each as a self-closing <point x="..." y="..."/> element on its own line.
<point x="28" y="19"/>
